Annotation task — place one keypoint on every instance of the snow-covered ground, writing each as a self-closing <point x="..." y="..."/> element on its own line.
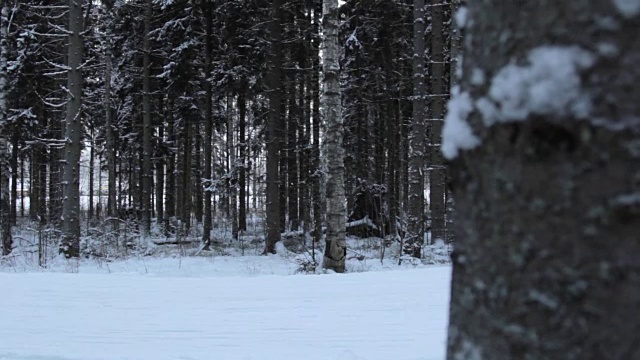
<point x="222" y="308"/>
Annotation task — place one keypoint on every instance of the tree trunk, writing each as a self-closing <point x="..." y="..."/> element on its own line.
<point x="146" y="123"/>
<point x="91" y="169"/>
<point x="415" y="220"/>
<point x="242" y="169"/>
<point x="392" y="138"/>
<point x="15" y="148"/>
<point x="208" y="125"/>
<point x="185" y="210"/>
<point x="57" y="129"/>
<point x="22" y="156"/>
<point x="544" y="141"/>
<point x="316" y="193"/>
<point x="284" y="154"/>
<point x="305" y="137"/>
<point x="292" y="156"/>
<point x="196" y="165"/>
<point x="170" y="161"/>
<point x="70" y="244"/>
<point x="273" y="133"/>
<point x="336" y="247"/>
<point x="5" y="210"/>
<point x="160" y="174"/>
<point x="5" y="220"/>
<point x="231" y="152"/>
<point x="110" y="140"/>
<point x="438" y="171"/>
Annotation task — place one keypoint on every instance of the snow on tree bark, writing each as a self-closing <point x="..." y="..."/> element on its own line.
<point x="546" y="187"/>
<point x="336" y="247"/>
<point x="70" y="244"/>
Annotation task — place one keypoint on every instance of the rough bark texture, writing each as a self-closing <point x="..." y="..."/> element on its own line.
<point x="242" y="161"/>
<point x="273" y="144"/>
<point x="70" y="244"/>
<point x="171" y="162"/>
<point x="208" y="125"/>
<point x="159" y="183"/>
<point x="185" y="209"/>
<point x="392" y="131"/>
<point x="110" y="146"/>
<point x="231" y="152"/>
<point x="546" y="262"/>
<point x="305" y="130"/>
<point x="438" y="171"/>
<point x="196" y="166"/>
<point x="316" y="194"/>
<point x="336" y="247"/>
<point x="146" y="123"/>
<point x="292" y="156"/>
<point x="5" y="218"/>
<point x="91" y="171"/>
<point x="415" y="224"/>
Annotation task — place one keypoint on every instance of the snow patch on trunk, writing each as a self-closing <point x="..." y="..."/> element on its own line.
<point x="549" y="84"/>
<point x="461" y="17"/>
<point x="628" y="8"/>
<point x="457" y="133"/>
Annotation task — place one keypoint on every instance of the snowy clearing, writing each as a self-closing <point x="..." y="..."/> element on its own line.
<point x="373" y="315"/>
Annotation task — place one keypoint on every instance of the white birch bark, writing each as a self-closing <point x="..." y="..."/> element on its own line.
<point x="336" y="247"/>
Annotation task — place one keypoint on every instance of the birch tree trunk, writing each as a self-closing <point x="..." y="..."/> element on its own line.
<point x="415" y="228"/>
<point x="5" y="216"/>
<point x="544" y="137"/>
<point x="70" y="244"/>
<point x="336" y="247"/>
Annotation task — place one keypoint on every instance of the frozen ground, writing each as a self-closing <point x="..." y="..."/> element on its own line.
<point x="222" y="308"/>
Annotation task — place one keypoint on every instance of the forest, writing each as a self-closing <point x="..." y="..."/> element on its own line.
<point x="180" y="117"/>
<point x="473" y="167"/>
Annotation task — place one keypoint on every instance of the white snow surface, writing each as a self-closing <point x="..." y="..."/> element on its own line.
<point x="549" y="84"/>
<point x="374" y="315"/>
<point x="457" y="133"/>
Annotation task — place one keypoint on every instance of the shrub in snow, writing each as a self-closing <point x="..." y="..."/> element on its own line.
<point x="437" y="253"/>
